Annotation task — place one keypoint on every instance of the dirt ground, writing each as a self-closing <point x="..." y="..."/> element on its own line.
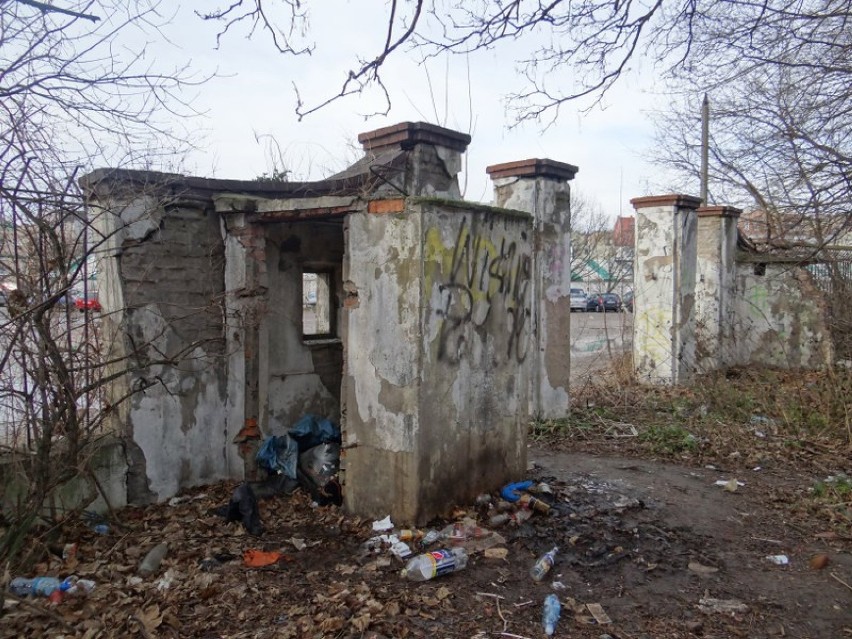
<point x="648" y="541"/>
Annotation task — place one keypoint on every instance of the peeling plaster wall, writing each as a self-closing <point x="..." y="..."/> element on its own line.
<point x="381" y="274"/>
<point x="746" y="312"/>
<point x="714" y="292"/>
<point x="303" y="375"/>
<point x="664" y="317"/>
<point x="548" y="201"/>
<point x="436" y="379"/>
<point x="161" y="290"/>
<point x="477" y="342"/>
<point x="779" y="318"/>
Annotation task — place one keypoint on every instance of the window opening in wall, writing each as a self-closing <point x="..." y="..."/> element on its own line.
<point x="316" y="304"/>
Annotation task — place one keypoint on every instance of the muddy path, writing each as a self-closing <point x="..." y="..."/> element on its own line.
<point x="730" y="534"/>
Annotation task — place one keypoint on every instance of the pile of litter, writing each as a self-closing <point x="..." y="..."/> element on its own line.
<point x="228" y="563"/>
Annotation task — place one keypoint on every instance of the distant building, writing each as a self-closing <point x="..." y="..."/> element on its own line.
<point x="603" y="260"/>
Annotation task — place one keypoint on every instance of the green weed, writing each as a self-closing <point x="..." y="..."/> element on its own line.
<point x="669" y="440"/>
<point x="837" y="487"/>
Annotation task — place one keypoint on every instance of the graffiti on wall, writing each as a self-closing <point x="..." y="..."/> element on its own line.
<point x="484" y="288"/>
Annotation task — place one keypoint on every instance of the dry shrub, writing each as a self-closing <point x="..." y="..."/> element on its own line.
<point x="751" y="414"/>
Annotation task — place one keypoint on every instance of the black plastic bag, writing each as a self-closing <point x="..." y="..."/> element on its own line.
<point x="243" y="507"/>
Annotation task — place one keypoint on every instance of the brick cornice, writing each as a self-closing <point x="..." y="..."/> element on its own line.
<point x="678" y="200"/>
<point x="532" y="168"/>
<point x="718" y="211"/>
<point x="406" y="135"/>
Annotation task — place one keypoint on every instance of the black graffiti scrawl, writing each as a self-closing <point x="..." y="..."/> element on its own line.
<point x="489" y="275"/>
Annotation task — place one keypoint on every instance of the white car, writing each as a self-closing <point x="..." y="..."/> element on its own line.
<point x="578" y="300"/>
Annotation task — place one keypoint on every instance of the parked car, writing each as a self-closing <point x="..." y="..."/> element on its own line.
<point x="578" y="299"/>
<point x="627" y="301"/>
<point x="89" y="303"/>
<point x="604" y="303"/>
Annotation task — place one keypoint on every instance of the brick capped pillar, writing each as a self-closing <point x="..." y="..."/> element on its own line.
<point x="664" y="288"/>
<point x="540" y="187"/>
<point x="714" y="288"/>
<point x="415" y="158"/>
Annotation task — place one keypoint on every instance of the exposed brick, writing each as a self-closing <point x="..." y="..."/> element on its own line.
<point x="381" y="207"/>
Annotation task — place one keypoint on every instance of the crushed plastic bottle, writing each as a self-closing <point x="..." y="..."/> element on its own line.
<point x="463" y="530"/>
<point x="430" y="538"/>
<point x="517" y="518"/>
<point x="435" y="564"/>
<point x="500" y="519"/>
<point x="543" y="564"/>
<point x="78" y="587"/>
<point x="96" y="522"/>
<point x="550" y="615"/>
<point x="38" y="586"/>
<point x="151" y="563"/>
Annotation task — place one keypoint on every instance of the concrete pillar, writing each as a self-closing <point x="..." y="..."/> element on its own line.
<point x="415" y="158"/>
<point x="714" y="289"/>
<point x="245" y="290"/>
<point x="540" y="187"/>
<point x="664" y="291"/>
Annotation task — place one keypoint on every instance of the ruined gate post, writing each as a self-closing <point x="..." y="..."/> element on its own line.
<point x="245" y="289"/>
<point x="664" y="288"/>
<point x="540" y="187"/>
<point x="714" y="291"/>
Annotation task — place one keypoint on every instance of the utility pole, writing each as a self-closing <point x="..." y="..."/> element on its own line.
<point x="705" y="145"/>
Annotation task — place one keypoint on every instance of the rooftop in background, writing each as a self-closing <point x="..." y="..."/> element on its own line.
<point x="624" y="232"/>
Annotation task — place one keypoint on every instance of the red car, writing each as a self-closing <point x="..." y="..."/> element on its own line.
<point x="90" y="303"/>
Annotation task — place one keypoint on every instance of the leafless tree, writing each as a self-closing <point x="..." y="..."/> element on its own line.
<point x="579" y="49"/>
<point x="781" y="148"/>
<point x="595" y="255"/>
<point x="76" y="90"/>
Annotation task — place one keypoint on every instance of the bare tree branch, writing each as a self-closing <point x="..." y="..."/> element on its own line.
<point x="49" y="8"/>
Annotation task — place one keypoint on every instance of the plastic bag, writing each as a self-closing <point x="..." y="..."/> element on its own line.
<point x="320" y="463"/>
<point x="243" y="507"/>
<point x="279" y="455"/>
<point x="312" y="431"/>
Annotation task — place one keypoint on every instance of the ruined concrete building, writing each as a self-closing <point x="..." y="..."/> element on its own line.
<point x="439" y="326"/>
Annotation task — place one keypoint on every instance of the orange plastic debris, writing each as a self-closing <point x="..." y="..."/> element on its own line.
<point x="256" y="558"/>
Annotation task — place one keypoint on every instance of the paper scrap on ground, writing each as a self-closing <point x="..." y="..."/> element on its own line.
<point x="598" y="613"/>
<point x="383" y="524"/>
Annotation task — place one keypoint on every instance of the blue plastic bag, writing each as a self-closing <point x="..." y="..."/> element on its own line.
<point x="279" y="455"/>
<point x="312" y="431"/>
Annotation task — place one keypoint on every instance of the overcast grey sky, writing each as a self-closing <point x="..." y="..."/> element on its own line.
<point x="254" y="96"/>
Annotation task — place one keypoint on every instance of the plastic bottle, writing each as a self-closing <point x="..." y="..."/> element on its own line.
<point x="550" y="615"/>
<point x="499" y="520"/>
<point x="543" y="564"/>
<point x="38" y="586"/>
<point x="533" y="503"/>
<point x="78" y="587"/>
<point x="461" y="531"/>
<point x="434" y="564"/>
<point x="151" y="563"/>
<point x="430" y="538"/>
